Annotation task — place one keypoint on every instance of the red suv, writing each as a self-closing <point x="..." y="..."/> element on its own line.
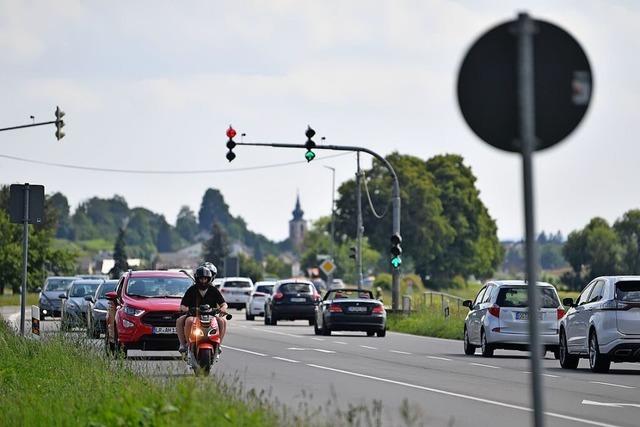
<point x="143" y="310"/>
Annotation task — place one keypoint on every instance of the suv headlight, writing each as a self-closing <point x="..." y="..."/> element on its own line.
<point x="132" y="311"/>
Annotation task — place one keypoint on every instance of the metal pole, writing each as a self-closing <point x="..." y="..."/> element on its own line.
<point x="526" y="101"/>
<point x="25" y="257"/>
<point x="333" y="223"/>
<point x="28" y="126"/>
<point x="359" y="222"/>
<point x="395" y="273"/>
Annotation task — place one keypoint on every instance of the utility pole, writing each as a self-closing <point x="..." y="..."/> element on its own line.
<point x="333" y="223"/>
<point x="359" y="222"/>
<point x="58" y="122"/>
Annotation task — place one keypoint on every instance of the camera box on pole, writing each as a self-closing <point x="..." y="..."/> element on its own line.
<point x="36" y="203"/>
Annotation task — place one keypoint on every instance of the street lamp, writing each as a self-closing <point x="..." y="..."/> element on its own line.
<point x="333" y="221"/>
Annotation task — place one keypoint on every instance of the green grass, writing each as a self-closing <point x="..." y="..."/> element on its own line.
<point x="429" y="323"/>
<point x="61" y="383"/>
<point x="14" y="299"/>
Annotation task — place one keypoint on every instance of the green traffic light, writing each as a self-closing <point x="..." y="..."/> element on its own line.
<point x="396" y="261"/>
<point x="309" y="155"/>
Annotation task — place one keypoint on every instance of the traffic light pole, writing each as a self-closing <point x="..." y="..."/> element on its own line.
<point x="359" y="223"/>
<point x="395" y="197"/>
<point x="29" y="125"/>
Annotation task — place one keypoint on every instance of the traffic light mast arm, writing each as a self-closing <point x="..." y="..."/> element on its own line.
<point x="29" y="125"/>
<point x="395" y="286"/>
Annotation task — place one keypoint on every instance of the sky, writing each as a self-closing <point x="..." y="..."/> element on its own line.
<point x="153" y="85"/>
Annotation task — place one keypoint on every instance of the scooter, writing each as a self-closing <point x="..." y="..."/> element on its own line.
<point x="204" y="340"/>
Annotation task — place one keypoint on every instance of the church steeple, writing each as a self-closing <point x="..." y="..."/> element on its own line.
<point x="297" y="212"/>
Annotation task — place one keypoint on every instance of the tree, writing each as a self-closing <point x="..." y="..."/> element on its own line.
<point x="60" y="206"/>
<point x="213" y="209"/>
<point x="186" y="224"/>
<point x="164" y="241"/>
<point x="628" y="230"/>
<point x="276" y="267"/>
<point x="120" y="255"/>
<point x="216" y="249"/>
<point x="249" y="267"/>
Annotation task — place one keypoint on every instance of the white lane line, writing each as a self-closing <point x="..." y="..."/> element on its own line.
<point x="611" y="385"/>
<point x="323" y="351"/>
<point x="463" y="396"/>
<point x="296" y="349"/>
<point x="399" y="352"/>
<point x="550" y="376"/>
<point x="485" y="366"/>
<point x="439" y="358"/>
<point x="286" y="360"/>
<point x="277" y="333"/>
<point x="318" y="339"/>
<point x="339" y="342"/>
<point x="611" y="405"/>
<point x="244" y="351"/>
<point x="369" y="347"/>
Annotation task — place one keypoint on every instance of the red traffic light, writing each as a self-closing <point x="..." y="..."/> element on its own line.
<point x="231" y="132"/>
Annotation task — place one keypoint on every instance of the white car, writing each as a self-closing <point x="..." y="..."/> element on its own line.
<point x="498" y="318"/>
<point x="603" y="324"/>
<point x="255" y="305"/>
<point x="236" y="291"/>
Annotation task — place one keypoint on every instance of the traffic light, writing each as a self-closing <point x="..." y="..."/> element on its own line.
<point x="231" y="144"/>
<point x="396" y="250"/>
<point x="59" y="123"/>
<point x="310" y="155"/>
<point x="353" y="252"/>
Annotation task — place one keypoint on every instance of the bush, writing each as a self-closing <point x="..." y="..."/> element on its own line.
<point x="383" y="280"/>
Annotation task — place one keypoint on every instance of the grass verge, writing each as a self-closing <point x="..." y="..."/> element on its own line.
<point x="14" y="299"/>
<point x="60" y="383"/>
<point x="429" y="322"/>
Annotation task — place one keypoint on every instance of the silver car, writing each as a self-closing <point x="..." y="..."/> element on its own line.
<point x="603" y="324"/>
<point x="499" y="318"/>
<point x="74" y="306"/>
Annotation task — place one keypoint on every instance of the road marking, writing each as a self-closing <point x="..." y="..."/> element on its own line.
<point x="611" y="385"/>
<point x="323" y="351"/>
<point x="318" y="339"/>
<point x="296" y="349"/>
<point x="462" y="396"/>
<point x="485" y="366"/>
<point x="611" y="405"/>
<point x="286" y="360"/>
<point x="370" y="348"/>
<point x="399" y="352"/>
<point x="339" y="342"/>
<point x="276" y="332"/>
<point x="439" y="358"/>
<point x="244" y="351"/>
<point x="550" y="376"/>
<point x="312" y="349"/>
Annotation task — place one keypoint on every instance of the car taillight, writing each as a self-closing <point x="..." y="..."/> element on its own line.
<point x="335" y="308"/>
<point x="278" y="295"/>
<point x="494" y="310"/>
<point x="378" y="309"/>
<point x="224" y="290"/>
<point x="561" y="313"/>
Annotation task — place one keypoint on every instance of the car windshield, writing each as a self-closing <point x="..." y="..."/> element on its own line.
<point x="158" y="287"/>
<point x="296" y="288"/>
<point x="628" y="291"/>
<point x="267" y="289"/>
<point x="517" y="297"/>
<point x="58" y="284"/>
<point x="237" y="284"/>
<point x="349" y="294"/>
<point x="107" y="287"/>
<point x="82" y="289"/>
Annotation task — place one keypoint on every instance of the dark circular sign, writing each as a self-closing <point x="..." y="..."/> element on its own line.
<point x="487" y="85"/>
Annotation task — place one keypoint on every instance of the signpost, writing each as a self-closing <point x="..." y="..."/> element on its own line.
<point x="327" y="266"/>
<point x="26" y="206"/>
<point x="524" y="86"/>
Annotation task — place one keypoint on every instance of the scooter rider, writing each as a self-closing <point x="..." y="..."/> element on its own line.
<point x="202" y="292"/>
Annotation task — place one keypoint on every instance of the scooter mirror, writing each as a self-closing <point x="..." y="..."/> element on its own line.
<point x="229" y="317"/>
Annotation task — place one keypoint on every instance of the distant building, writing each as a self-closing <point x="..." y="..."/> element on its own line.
<point x="297" y="228"/>
<point x="186" y="258"/>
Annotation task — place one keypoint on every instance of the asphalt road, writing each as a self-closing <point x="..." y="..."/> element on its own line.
<point x="420" y="380"/>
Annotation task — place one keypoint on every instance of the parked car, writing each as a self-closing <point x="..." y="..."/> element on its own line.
<point x="498" y="318"/>
<point x="255" y="305"/>
<point x="350" y="310"/>
<point x="94" y="276"/>
<point x="603" y="325"/>
<point x="143" y="311"/>
<point x="291" y="299"/>
<point x="97" y="311"/>
<point x="236" y="291"/>
<point x="49" y="299"/>
<point x="74" y="306"/>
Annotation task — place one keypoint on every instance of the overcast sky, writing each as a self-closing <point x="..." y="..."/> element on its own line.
<point x="153" y="85"/>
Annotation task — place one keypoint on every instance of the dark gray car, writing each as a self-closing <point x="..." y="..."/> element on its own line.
<point x="49" y="301"/>
<point x="74" y="310"/>
<point x="98" y="306"/>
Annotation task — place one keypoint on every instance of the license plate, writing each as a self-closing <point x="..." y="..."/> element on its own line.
<point x="358" y="309"/>
<point x="524" y="315"/>
<point x="298" y="299"/>
<point x="164" y="330"/>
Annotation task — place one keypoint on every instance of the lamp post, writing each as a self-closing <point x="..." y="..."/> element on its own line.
<point x="333" y="222"/>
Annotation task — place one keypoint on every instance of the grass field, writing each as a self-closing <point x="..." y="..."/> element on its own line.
<point x="14" y="299"/>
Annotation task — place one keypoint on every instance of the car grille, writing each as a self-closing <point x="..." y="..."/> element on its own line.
<point x="161" y="318"/>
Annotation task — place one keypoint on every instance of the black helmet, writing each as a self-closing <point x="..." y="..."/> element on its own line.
<point x="212" y="268"/>
<point x="203" y="272"/>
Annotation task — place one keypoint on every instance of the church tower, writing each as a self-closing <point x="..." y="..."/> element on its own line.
<point x="297" y="228"/>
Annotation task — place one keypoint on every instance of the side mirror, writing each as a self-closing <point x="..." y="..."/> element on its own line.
<point x="467" y="303"/>
<point x="62" y="296"/>
<point x="229" y="317"/>
<point x="88" y="298"/>
<point x="38" y="290"/>
<point x="111" y="296"/>
<point x="568" y="302"/>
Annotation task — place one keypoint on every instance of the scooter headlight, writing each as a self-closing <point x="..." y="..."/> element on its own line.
<point x="197" y="332"/>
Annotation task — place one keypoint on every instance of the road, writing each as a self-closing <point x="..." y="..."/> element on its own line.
<point x="425" y="379"/>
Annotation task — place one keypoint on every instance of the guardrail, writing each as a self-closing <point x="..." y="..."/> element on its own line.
<point x="432" y="299"/>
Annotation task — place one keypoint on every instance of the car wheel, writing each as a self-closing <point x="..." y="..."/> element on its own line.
<point x="598" y="362"/>
<point x="249" y="316"/>
<point x="316" y="330"/>
<point x="266" y="317"/>
<point x="382" y="333"/>
<point x="273" y="320"/>
<point x="469" y="349"/>
<point x="312" y="322"/>
<point x="325" y="330"/>
<point x="487" y="349"/>
<point x="567" y="360"/>
<point x="371" y="333"/>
